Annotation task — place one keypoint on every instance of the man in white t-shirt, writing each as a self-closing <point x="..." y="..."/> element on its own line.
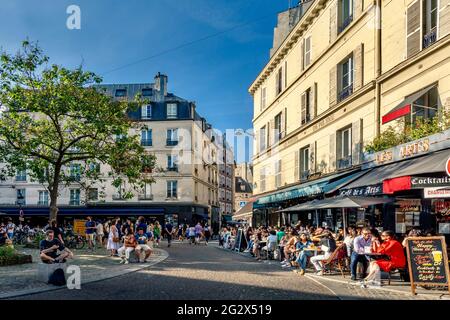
<point x="10" y="228"/>
<point x="100" y="233"/>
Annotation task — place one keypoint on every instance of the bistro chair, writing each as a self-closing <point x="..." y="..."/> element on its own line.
<point x="336" y="260"/>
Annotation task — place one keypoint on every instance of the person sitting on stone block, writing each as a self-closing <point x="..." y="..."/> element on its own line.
<point x="49" y="249"/>
<point x="142" y="245"/>
<point x="129" y="245"/>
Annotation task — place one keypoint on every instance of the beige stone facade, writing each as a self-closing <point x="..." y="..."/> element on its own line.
<point x="322" y="96"/>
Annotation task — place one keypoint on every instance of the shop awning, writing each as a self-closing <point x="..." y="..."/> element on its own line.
<point x="338" y="202"/>
<point x="309" y="189"/>
<point x="405" y="107"/>
<point x="430" y="163"/>
<point x="248" y="208"/>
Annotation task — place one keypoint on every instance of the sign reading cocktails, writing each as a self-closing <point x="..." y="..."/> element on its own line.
<point x="427" y="262"/>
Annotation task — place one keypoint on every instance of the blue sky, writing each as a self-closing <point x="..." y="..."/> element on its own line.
<point x="214" y="73"/>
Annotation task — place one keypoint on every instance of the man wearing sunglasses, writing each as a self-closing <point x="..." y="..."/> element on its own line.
<point x="361" y="245"/>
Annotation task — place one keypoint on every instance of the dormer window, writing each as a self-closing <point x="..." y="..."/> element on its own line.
<point x="147" y="92"/>
<point x="121" y="93"/>
<point x="146" y="111"/>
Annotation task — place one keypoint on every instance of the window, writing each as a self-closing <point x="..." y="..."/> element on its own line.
<point x="277" y="128"/>
<point x="146" y="138"/>
<point x="121" y="92"/>
<point x="43" y="198"/>
<point x="262" y="178"/>
<point x="172" y="163"/>
<point x="146" y="111"/>
<point x="262" y="139"/>
<point x="279" y="79"/>
<point x="425" y="108"/>
<point x="172" y="137"/>
<point x="171" y="111"/>
<point x="172" y="189"/>
<point x="92" y="194"/>
<point x="21" y="199"/>
<point x="147" y="92"/>
<point x="346" y="78"/>
<point x="344" y="151"/>
<point x="429" y="22"/>
<point x="75" y="171"/>
<point x="21" y="175"/>
<point x="120" y="137"/>
<point x="304" y="163"/>
<point x="263" y="99"/>
<point x="345" y="14"/>
<point x="74" y="197"/>
<point x="94" y="167"/>
<point x="306" y="106"/>
<point x="278" y="174"/>
<point x="307" y="52"/>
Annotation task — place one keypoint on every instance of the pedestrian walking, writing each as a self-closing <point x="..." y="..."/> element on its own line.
<point x="113" y="238"/>
<point x="207" y="234"/>
<point x="157" y="232"/>
<point x="100" y="233"/>
<point x="90" y="232"/>
<point x="168" y="228"/>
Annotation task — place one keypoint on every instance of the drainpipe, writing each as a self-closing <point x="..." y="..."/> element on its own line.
<point x="378" y="68"/>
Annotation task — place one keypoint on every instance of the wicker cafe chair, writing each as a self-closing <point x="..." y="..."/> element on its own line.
<point x="336" y="260"/>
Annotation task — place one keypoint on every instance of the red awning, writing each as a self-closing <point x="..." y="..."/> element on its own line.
<point x="405" y="107"/>
<point x="396" y="184"/>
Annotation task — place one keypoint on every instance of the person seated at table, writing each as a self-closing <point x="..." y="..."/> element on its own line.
<point x="289" y="249"/>
<point x="317" y="235"/>
<point x="394" y="258"/>
<point x="49" y="248"/>
<point x="142" y="245"/>
<point x="339" y="236"/>
<point x="272" y="242"/>
<point x="327" y="246"/>
<point x="257" y="238"/>
<point x="362" y="244"/>
<point x="412" y="233"/>
<point x="302" y="255"/>
<point x="129" y="245"/>
<point x="375" y="236"/>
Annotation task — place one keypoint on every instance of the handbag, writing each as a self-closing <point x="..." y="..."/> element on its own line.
<point x="116" y="239"/>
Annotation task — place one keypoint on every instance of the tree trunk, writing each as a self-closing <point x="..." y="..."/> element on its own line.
<point x="54" y="193"/>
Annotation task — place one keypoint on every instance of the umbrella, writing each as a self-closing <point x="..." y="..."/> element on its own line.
<point x="339" y="202"/>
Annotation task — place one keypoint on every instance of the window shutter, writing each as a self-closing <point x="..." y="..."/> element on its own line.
<point x="359" y="7"/>
<point x="283" y="123"/>
<point x="444" y="18"/>
<point x="413" y="30"/>
<point x="313" y="102"/>
<point x="285" y="75"/>
<point x="333" y="86"/>
<point x="256" y="142"/>
<point x="312" y="157"/>
<point x="297" y="166"/>
<point x="302" y="55"/>
<point x="358" y="55"/>
<point x="271" y="133"/>
<point x="357" y="133"/>
<point x="303" y="107"/>
<point x="332" y="161"/>
<point x="308" y="49"/>
<point x="333" y="21"/>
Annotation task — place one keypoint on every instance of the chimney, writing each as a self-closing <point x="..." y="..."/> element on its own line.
<point x="161" y="84"/>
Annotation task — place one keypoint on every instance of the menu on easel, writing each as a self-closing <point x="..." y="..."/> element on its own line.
<point x="427" y="262"/>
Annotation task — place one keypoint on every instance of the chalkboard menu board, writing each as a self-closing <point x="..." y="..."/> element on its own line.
<point x="241" y="242"/>
<point x="427" y="261"/>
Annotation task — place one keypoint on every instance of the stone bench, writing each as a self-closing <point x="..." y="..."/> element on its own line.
<point x="45" y="270"/>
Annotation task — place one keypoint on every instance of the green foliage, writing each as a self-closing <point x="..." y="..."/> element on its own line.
<point x="54" y="117"/>
<point x="392" y="137"/>
<point x="7" y="252"/>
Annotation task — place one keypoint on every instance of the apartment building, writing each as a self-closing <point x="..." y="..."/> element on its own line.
<point x="346" y="71"/>
<point x="186" y="173"/>
<point x="243" y="185"/>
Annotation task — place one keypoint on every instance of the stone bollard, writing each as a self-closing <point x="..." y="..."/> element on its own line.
<point x="45" y="270"/>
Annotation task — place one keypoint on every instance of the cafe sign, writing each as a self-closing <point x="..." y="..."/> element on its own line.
<point x="430" y="193"/>
<point x="363" y="191"/>
<point x="429" y="182"/>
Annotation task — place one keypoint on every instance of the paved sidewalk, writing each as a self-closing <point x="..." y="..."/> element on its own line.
<point x="346" y="289"/>
<point x="95" y="266"/>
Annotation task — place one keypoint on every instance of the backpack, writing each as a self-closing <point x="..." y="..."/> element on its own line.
<point x="57" y="278"/>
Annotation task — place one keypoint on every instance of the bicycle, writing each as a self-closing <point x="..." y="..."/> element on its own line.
<point x="20" y="237"/>
<point x="74" y="241"/>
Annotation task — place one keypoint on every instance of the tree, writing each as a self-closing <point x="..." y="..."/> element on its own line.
<point x="54" y="117"/>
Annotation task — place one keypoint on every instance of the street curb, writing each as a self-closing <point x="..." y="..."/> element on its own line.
<point x="163" y="255"/>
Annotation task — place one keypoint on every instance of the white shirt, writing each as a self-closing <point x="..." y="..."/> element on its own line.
<point x="272" y="238"/>
<point x="99" y="228"/>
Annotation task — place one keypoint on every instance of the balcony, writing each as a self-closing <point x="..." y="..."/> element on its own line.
<point x="347" y="21"/>
<point x="304" y="175"/>
<point x="74" y="202"/>
<point x="344" y="163"/>
<point x="21" y="178"/>
<point x="172" y="169"/>
<point x="118" y="197"/>
<point x="42" y="203"/>
<point x="146" y="142"/>
<point x="345" y="93"/>
<point x="21" y="202"/>
<point x="171" y="143"/>
<point x="145" y="197"/>
<point x="429" y="38"/>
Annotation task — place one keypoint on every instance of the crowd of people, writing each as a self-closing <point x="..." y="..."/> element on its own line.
<point x="366" y="251"/>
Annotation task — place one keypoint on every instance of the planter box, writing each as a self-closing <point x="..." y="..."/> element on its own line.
<point x="16" y="259"/>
